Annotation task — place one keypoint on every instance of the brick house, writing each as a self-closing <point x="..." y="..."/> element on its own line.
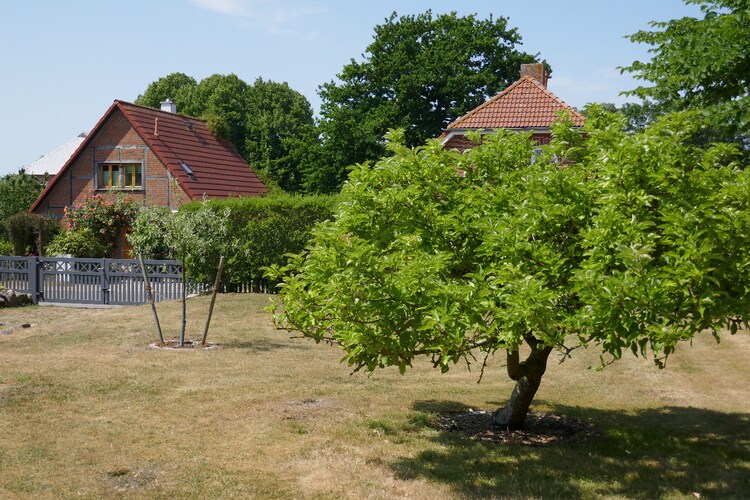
<point x="526" y="105"/>
<point x="157" y="157"/>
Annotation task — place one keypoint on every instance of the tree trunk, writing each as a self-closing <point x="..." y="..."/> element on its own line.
<point x="528" y="375"/>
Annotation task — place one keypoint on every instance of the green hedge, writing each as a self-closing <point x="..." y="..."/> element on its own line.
<point x="268" y="228"/>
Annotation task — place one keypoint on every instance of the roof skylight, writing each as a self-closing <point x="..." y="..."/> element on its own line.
<point x="187" y="169"/>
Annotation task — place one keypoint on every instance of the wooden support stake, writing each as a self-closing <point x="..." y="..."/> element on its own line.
<point x="150" y="295"/>
<point x="213" y="298"/>
<point x="184" y="300"/>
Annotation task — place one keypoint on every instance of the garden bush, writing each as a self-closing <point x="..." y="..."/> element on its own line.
<point x="6" y="247"/>
<point x="150" y="233"/>
<point x="28" y="231"/>
<point x="78" y="243"/>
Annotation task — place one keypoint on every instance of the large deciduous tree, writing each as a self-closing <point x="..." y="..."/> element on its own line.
<point x="282" y="137"/>
<point x="625" y="242"/>
<point x="270" y="124"/>
<point x="176" y="86"/>
<point x="701" y="63"/>
<point x="420" y="73"/>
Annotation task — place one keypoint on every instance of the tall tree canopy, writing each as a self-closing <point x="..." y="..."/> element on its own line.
<point x="623" y="242"/>
<point x="701" y="64"/>
<point x="176" y="86"/>
<point x="282" y="137"/>
<point x="269" y="123"/>
<point x="420" y="73"/>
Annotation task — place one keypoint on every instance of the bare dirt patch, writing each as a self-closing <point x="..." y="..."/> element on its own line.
<point x="542" y="429"/>
<point x="188" y="344"/>
<point x="9" y="329"/>
<point x="123" y="479"/>
<point x="306" y="408"/>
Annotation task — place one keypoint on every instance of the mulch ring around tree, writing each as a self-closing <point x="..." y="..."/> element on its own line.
<point x="188" y="344"/>
<point x="541" y="429"/>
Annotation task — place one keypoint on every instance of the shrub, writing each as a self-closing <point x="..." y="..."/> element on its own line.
<point x="17" y="193"/>
<point x="78" y="243"/>
<point x="197" y="236"/>
<point x="150" y="233"/>
<point x="6" y="247"/>
<point x="27" y="231"/>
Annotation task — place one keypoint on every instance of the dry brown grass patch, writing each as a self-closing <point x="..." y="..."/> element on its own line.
<point x="269" y="416"/>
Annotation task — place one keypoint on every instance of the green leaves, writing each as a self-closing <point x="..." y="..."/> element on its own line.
<point x="199" y="236"/>
<point x="420" y="73"/>
<point x="660" y="243"/>
<point x="270" y="124"/>
<point x="17" y="194"/>
<point x="635" y="242"/>
<point x="700" y="64"/>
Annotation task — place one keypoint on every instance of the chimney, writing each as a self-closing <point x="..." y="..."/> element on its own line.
<point x="535" y="71"/>
<point x="169" y="106"/>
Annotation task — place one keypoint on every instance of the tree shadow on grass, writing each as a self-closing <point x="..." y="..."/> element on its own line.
<point x="647" y="453"/>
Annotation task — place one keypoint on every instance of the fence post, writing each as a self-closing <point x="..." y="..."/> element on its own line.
<point x="33" y="268"/>
<point x="105" y="283"/>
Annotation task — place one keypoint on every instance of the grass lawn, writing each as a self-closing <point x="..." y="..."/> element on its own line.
<point x="88" y="409"/>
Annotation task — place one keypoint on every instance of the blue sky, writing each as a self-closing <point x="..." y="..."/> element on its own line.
<point x="62" y="63"/>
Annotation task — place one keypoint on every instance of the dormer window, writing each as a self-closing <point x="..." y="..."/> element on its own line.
<point x="120" y="176"/>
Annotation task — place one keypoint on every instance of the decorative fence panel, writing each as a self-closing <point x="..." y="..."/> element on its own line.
<point x="18" y="273"/>
<point x="91" y="281"/>
<point x="71" y="280"/>
<point x="126" y="280"/>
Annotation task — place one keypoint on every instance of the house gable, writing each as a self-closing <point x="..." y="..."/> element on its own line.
<point x="526" y="105"/>
<point x="113" y="141"/>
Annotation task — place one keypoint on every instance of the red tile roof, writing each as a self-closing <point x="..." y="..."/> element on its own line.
<point x="218" y="170"/>
<point x="524" y="104"/>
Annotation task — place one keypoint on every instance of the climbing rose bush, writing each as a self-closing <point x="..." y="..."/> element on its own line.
<point x="102" y="217"/>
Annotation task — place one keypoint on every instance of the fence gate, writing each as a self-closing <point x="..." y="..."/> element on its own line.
<point x="72" y="280"/>
<point x="91" y="281"/>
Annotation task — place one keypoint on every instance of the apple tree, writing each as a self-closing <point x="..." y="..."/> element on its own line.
<point x="623" y="242"/>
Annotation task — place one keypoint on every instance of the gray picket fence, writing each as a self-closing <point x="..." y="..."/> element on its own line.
<point x="91" y="281"/>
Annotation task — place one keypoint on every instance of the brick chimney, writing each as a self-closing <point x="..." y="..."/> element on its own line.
<point x="169" y="106"/>
<point x="535" y="71"/>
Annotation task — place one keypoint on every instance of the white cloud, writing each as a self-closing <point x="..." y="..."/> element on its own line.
<point x="228" y="7"/>
<point x="276" y="18"/>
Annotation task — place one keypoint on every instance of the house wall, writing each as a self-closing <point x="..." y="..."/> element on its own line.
<point x="462" y="143"/>
<point x="116" y="140"/>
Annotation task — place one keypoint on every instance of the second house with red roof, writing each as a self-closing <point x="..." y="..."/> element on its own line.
<point x="525" y="106"/>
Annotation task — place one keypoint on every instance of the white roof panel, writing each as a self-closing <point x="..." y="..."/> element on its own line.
<point x="52" y="162"/>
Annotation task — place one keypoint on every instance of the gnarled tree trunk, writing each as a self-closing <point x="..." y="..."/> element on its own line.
<point x="528" y="376"/>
